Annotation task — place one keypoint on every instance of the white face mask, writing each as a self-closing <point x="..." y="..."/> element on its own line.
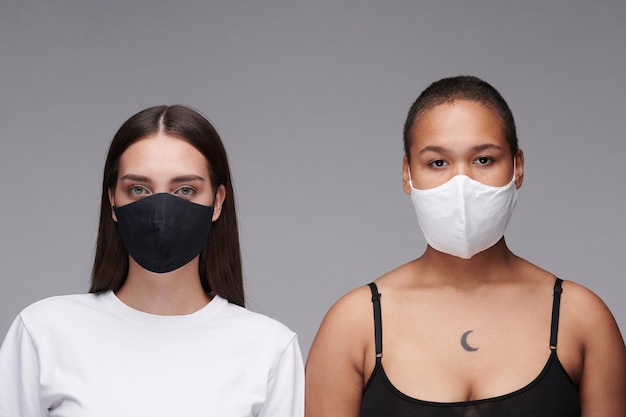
<point x="463" y="217"/>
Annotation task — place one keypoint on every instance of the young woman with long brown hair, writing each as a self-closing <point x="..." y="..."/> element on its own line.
<point x="164" y="331"/>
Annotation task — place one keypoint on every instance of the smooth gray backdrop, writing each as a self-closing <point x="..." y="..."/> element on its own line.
<point x="309" y="98"/>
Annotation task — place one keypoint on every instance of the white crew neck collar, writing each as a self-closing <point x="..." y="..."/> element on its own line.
<point x="117" y="306"/>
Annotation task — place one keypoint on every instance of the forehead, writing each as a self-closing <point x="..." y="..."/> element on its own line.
<point x="457" y="124"/>
<point x="163" y="155"/>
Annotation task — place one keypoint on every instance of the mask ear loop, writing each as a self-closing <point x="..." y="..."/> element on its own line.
<point x="514" y="168"/>
<point x="408" y="168"/>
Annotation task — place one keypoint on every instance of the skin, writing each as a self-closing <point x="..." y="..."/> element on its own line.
<point x="430" y="302"/>
<point x="164" y="164"/>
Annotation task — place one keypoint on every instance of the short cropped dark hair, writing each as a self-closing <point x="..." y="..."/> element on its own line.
<point x="463" y="87"/>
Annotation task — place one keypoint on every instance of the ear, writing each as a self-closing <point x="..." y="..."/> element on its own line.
<point x="519" y="168"/>
<point x="220" y="196"/>
<point x="406" y="185"/>
<point x="112" y="202"/>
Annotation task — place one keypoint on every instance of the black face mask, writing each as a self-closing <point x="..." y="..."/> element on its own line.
<point x="164" y="232"/>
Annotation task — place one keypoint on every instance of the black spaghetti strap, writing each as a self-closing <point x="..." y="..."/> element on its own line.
<point x="378" y="325"/>
<point x="556" y="306"/>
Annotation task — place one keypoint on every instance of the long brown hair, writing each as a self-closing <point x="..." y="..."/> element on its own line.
<point x="220" y="260"/>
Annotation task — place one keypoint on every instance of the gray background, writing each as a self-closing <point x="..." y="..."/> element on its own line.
<point x="309" y="98"/>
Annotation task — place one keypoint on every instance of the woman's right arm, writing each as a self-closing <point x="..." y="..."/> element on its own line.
<point x="19" y="374"/>
<point x="335" y="364"/>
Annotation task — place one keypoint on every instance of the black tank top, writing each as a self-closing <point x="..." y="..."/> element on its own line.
<point x="551" y="394"/>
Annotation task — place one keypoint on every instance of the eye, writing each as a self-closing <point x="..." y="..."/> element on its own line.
<point x="484" y="160"/>
<point x="185" y="191"/>
<point x="438" y="163"/>
<point x="137" y="190"/>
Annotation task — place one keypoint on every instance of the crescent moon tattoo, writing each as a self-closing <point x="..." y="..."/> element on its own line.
<point x="464" y="343"/>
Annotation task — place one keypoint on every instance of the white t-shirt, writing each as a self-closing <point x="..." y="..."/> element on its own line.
<point x="93" y="356"/>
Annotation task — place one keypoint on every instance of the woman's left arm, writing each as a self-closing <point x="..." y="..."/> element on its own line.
<point x="602" y="385"/>
<point x="285" y="390"/>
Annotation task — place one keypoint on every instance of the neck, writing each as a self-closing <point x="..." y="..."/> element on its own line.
<point x="492" y="265"/>
<point x="173" y="293"/>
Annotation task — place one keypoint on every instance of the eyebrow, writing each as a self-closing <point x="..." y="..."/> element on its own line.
<point x="487" y="146"/>
<point x="441" y="149"/>
<point x="133" y="177"/>
<point x="187" y="178"/>
<point x="182" y="178"/>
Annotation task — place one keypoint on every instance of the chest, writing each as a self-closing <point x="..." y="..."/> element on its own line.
<point x="156" y="372"/>
<point x="467" y="350"/>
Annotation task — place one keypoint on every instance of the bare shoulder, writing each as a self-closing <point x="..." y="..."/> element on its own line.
<point x="587" y="323"/>
<point x="335" y="364"/>
<point x="348" y="326"/>
<point x="587" y="311"/>
<point x="359" y="298"/>
<point x="347" y="322"/>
